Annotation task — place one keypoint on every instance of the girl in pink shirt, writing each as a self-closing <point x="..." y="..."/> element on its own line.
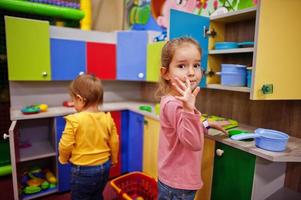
<point x="181" y="133"/>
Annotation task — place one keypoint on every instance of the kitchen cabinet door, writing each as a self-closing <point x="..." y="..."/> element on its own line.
<point x="116" y="170"/>
<point x="28" y="49"/>
<point x="233" y="173"/>
<point x="154" y="61"/>
<point x="207" y="170"/>
<point x="277" y="62"/>
<point x="64" y="171"/>
<point x="131" y="55"/>
<point x="101" y="60"/>
<point x="150" y="146"/>
<point x="187" y="24"/>
<point x="132" y="141"/>
<point x="68" y="59"/>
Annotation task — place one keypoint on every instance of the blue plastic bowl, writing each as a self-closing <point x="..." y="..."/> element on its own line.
<point x="226" y="45"/>
<point x="271" y="140"/>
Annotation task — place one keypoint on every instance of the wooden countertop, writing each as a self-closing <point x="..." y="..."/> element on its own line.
<point x="291" y="154"/>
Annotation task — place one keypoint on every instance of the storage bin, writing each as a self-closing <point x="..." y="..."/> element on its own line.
<point x="135" y="185"/>
<point x="233" y="75"/>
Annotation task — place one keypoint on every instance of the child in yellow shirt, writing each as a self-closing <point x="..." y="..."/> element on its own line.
<point x="89" y="141"/>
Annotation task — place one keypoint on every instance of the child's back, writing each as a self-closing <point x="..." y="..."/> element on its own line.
<point x="93" y="140"/>
<point x="89" y="141"/>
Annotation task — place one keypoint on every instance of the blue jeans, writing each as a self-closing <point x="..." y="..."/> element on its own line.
<point x="88" y="182"/>
<point x="168" y="193"/>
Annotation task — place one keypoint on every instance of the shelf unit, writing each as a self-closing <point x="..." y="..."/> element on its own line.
<point x="38" y="150"/>
<point x="32" y="144"/>
<point x="229" y="51"/>
<point x="237" y="26"/>
<point x="222" y="87"/>
<point x="235" y="16"/>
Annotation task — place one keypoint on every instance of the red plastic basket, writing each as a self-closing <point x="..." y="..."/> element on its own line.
<point x="135" y="186"/>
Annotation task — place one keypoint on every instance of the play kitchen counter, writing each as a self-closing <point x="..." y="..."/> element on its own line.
<point x="291" y="154"/>
<point x="257" y="173"/>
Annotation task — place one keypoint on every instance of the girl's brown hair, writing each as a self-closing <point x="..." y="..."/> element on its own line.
<point x="167" y="54"/>
<point x="89" y="88"/>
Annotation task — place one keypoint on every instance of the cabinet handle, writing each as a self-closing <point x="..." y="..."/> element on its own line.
<point x="209" y="73"/>
<point x="207" y="32"/>
<point x="5" y="136"/>
<point x="267" y="89"/>
<point x="140" y="75"/>
<point x="219" y="152"/>
<point x="44" y="74"/>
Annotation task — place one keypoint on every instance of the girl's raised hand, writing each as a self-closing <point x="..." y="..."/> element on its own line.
<point x="188" y="96"/>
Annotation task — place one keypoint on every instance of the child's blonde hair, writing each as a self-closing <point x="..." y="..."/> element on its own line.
<point x="89" y="88"/>
<point x="167" y="54"/>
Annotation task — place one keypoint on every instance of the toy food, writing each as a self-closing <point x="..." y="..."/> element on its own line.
<point x="35" y="182"/>
<point x="50" y="177"/>
<point x="68" y="104"/>
<point x="32" y="109"/>
<point x="43" y="107"/>
<point x="31" y="189"/>
<point x="45" y="185"/>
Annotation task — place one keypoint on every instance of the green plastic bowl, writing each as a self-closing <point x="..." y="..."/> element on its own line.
<point x="237" y="131"/>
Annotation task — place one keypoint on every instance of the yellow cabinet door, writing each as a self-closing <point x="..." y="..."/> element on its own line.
<point x="207" y="170"/>
<point x="150" y="146"/>
<point x="277" y="59"/>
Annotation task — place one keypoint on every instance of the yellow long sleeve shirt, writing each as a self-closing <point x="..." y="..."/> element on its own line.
<point x="89" y="139"/>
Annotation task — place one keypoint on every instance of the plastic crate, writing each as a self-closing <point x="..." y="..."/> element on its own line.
<point x="135" y="186"/>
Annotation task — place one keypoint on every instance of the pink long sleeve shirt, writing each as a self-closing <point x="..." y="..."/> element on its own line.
<point x="180" y="146"/>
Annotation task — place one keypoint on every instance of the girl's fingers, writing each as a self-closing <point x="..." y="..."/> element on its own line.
<point x="187" y="82"/>
<point x="180" y="83"/>
<point x="178" y="88"/>
<point x="196" y="91"/>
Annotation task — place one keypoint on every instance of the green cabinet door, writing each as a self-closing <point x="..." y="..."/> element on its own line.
<point x="153" y="63"/>
<point x="233" y="173"/>
<point x="28" y="49"/>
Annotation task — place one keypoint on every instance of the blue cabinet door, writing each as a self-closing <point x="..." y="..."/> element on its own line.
<point x="132" y="141"/>
<point x="124" y="141"/>
<point x="64" y="171"/>
<point x="131" y="55"/>
<point x="187" y="24"/>
<point x="68" y="58"/>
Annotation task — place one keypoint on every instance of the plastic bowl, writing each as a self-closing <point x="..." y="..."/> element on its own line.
<point x="226" y="45"/>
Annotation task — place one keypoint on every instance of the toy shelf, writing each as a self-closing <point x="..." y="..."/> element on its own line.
<point x="38" y="150"/>
<point x="229" y="51"/>
<point x="222" y="87"/>
<point x="239" y="15"/>
<point x="40" y="194"/>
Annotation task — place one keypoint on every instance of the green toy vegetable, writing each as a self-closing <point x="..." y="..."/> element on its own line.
<point x="31" y="189"/>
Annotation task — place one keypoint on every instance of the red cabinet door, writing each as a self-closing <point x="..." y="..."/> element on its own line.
<point x="101" y="60"/>
<point x="116" y="170"/>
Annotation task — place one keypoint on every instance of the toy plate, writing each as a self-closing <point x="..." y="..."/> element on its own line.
<point x="30" y="110"/>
